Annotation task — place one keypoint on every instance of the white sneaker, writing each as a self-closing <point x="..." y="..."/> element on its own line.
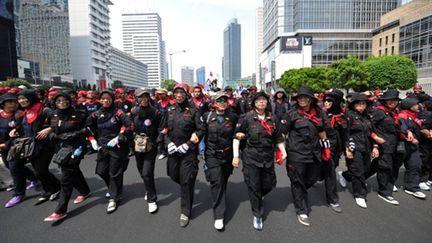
<point x="341" y="179"/>
<point x="219" y="224"/>
<point x="107" y="195"/>
<point x="162" y="156"/>
<point x="112" y="206"/>
<point x="424" y="187"/>
<point x="429" y="183"/>
<point x="395" y="189"/>
<point x="418" y="194"/>
<point x="152" y="207"/>
<point x="361" y="202"/>
<point x="257" y="223"/>
<point x="389" y="199"/>
<point x="303" y="219"/>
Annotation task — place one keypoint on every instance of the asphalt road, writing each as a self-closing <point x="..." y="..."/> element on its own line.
<point x="411" y="221"/>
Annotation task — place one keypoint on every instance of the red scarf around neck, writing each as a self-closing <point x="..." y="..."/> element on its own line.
<point x="407" y="114"/>
<point x="311" y="115"/>
<point x="32" y="113"/>
<point x="393" y="113"/>
<point x="268" y="128"/>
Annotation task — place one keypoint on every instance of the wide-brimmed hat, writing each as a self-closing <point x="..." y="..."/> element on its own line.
<point x="334" y="95"/>
<point x="162" y="91"/>
<point x="391" y="94"/>
<point x="139" y="92"/>
<point x="257" y="95"/>
<point x="407" y="103"/>
<point x="357" y="97"/>
<point x="7" y="96"/>
<point x="305" y="90"/>
<point x="219" y="95"/>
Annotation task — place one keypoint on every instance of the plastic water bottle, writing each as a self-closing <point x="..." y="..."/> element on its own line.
<point x="77" y="152"/>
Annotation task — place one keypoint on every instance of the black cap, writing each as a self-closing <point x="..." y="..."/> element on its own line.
<point x="307" y="91"/>
<point x="8" y="96"/>
<point x="30" y="94"/>
<point x="259" y="94"/>
<point x="407" y="103"/>
<point x="391" y="94"/>
<point x="334" y="95"/>
<point x="356" y="97"/>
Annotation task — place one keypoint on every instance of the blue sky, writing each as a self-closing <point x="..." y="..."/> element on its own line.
<point x="197" y="27"/>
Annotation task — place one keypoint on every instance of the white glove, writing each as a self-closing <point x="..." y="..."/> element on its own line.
<point x="94" y="144"/>
<point x="113" y="142"/>
<point x="325" y="143"/>
<point x="172" y="148"/>
<point x="183" y="148"/>
<point x="351" y="145"/>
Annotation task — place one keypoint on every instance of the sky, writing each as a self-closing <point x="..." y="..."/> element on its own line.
<point x="195" y="26"/>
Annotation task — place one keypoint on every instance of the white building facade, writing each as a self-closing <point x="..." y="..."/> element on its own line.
<point x="187" y="75"/>
<point x="125" y="68"/>
<point x="142" y="38"/>
<point x="90" y="42"/>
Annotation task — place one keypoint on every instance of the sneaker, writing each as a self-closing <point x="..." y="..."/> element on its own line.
<point x="112" y="206"/>
<point x="14" y="201"/>
<point x="219" y="224"/>
<point x="429" y="183"/>
<point x="303" y="219"/>
<point x="54" y="196"/>
<point x="32" y="185"/>
<point x="55" y="217"/>
<point x="417" y="194"/>
<point x="152" y="207"/>
<point x="336" y="207"/>
<point x="81" y="198"/>
<point x="10" y="188"/>
<point x="107" y="195"/>
<point x="341" y="179"/>
<point x="395" y="189"/>
<point x="184" y="220"/>
<point x="424" y="187"/>
<point x="389" y="199"/>
<point x="162" y="156"/>
<point x="361" y="202"/>
<point x="257" y="223"/>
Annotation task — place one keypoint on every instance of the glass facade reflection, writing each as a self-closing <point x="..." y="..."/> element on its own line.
<point x="325" y="52"/>
<point x="416" y="42"/>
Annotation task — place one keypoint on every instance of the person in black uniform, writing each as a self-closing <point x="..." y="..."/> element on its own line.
<point x="425" y="142"/>
<point x="307" y="147"/>
<point x="182" y="128"/>
<point x="263" y="136"/>
<point x="243" y="103"/>
<point x="280" y="104"/>
<point x="110" y="124"/>
<point x="411" y="128"/>
<point x="362" y="140"/>
<point x="9" y="105"/>
<point x="218" y="126"/>
<point x="386" y="122"/>
<point x="32" y="123"/>
<point x="146" y="120"/>
<point x="336" y="133"/>
<point x="68" y="135"/>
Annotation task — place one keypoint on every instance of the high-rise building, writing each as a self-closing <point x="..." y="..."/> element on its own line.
<point x="90" y="42"/>
<point x="187" y="75"/>
<point x="232" y="51"/>
<point x="42" y="36"/>
<point x="259" y="42"/>
<point x="125" y="68"/>
<point x="334" y="29"/>
<point x="408" y="30"/>
<point x="142" y="38"/>
<point x="201" y="76"/>
<point x="8" y="57"/>
<point x="61" y="4"/>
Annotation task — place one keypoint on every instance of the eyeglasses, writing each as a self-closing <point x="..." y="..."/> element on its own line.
<point x="221" y="101"/>
<point x="58" y="101"/>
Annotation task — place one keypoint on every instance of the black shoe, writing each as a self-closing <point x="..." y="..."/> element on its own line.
<point x="54" y="196"/>
<point x="41" y="200"/>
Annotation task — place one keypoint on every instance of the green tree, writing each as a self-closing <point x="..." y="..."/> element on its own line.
<point x="349" y="73"/>
<point x="14" y="83"/>
<point x="117" y="84"/>
<point x="168" y="84"/>
<point x="397" y="71"/>
<point x="316" y="78"/>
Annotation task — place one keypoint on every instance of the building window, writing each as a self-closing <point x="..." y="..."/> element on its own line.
<point x="380" y="42"/>
<point x="392" y="51"/>
<point x="379" y="53"/>
<point x="393" y="37"/>
<point x="385" y="52"/>
<point x="386" y="40"/>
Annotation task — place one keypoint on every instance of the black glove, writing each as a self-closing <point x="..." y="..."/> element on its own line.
<point x="122" y="138"/>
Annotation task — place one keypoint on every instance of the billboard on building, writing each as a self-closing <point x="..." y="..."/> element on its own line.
<point x="291" y="43"/>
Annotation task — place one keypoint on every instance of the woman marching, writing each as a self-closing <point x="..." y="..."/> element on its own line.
<point x="218" y="126"/>
<point x="146" y="121"/>
<point x="32" y="125"/>
<point x="307" y="147"/>
<point x="110" y="125"/>
<point x="263" y="135"/>
<point x="68" y="134"/>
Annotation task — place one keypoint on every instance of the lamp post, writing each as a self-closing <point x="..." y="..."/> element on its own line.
<point x="171" y="64"/>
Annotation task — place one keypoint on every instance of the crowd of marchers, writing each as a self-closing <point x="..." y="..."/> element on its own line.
<point x="376" y="132"/>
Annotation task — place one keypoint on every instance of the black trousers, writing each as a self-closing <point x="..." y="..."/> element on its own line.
<point x="412" y="163"/>
<point x="383" y="167"/>
<point x="426" y="167"/>
<point x="329" y="176"/>
<point x="71" y="178"/>
<point x="217" y="172"/>
<point x="20" y="172"/>
<point x="183" y="170"/>
<point x="358" y="168"/>
<point x="303" y="176"/>
<point x="50" y="183"/>
<point x="259" y="181"/>
<point x="145" y="163"/>
<point x="111" y="164"/>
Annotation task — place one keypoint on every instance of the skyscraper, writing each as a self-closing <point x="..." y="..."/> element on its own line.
<point x="8" y="58"/>
<point x="142" y="38"/>
<point x="258" y="42"/>
<point x="90" y="42"/>
<point x="187" y="75"/>
<point x="232" y="51"/>
<point x="201" y="76"/>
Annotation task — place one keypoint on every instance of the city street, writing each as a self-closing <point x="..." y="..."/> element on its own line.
<point x="411" y="221"/>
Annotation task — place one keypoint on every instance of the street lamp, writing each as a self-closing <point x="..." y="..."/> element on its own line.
<point x="171" y="65"/>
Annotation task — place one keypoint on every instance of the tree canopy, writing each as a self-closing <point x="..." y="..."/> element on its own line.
<point x="117" y="84"/>
<point x="316" y="78"/>
<point x="168" y="84"/>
